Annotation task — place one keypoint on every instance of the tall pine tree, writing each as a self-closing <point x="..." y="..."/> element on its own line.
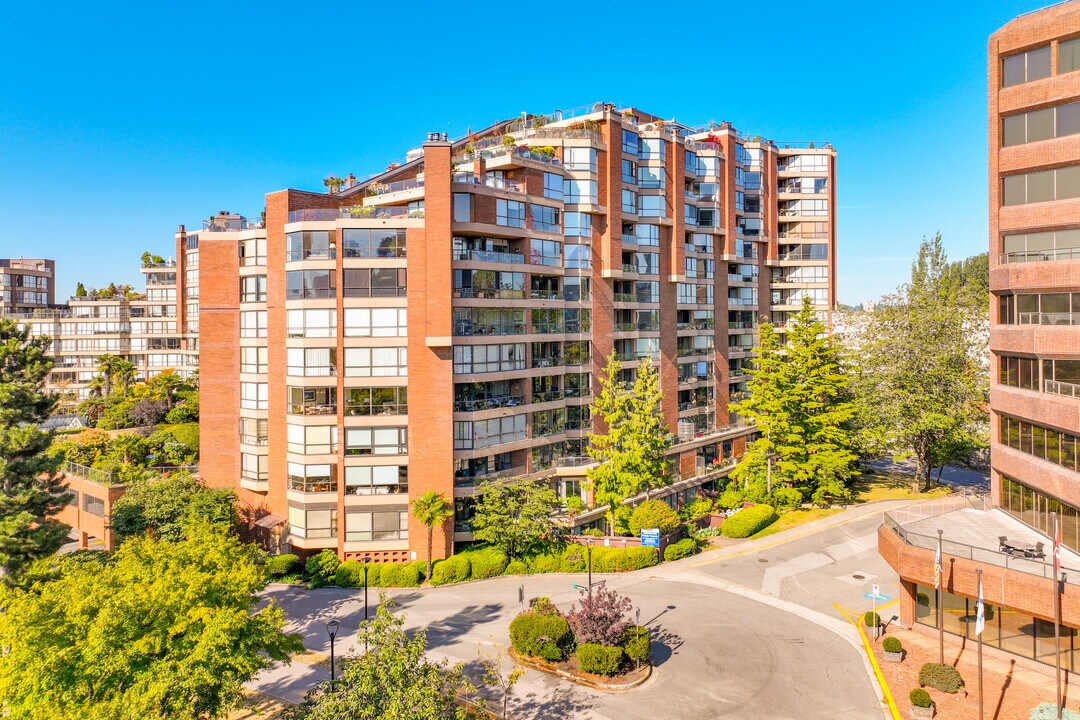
<point x="30" y="492"/>
<point x="800" y="403"/>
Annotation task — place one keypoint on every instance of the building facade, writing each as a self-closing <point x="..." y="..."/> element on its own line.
<point x="1034" y="206"/>
<point x="444" y="323"/>
<point x="26" y="285"/>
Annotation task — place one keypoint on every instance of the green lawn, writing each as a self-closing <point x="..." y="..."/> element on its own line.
<point x="871" y="487"/>
<point x="794" y="518"/>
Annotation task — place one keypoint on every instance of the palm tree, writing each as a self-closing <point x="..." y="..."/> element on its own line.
<point x="432" y="509"/>
<point x="125" y="371"/>
<point x="95" y="386"/>
<point x="107" y="367"/>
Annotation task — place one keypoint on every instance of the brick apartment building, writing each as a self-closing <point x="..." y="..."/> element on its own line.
<point x="444" y="322"/>
<point x="1034" y="193"/>
<point x="26" y="285"/>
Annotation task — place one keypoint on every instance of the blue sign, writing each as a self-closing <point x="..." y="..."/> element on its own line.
<point x="878" y="598"/>
<point x="650" y="538"/>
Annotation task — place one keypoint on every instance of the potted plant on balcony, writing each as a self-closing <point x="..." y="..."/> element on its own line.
<point x="894" y="650"/>
<point x="872" y="623"/>
<point x="921" y="704"/>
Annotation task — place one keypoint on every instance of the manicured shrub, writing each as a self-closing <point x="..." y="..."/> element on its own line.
<point x="609" y="559"/>
<point x="390" y="575"/>
<point x="730" y="499"/>
<point x="637" y="644"/>
<point x="574" y="559"/>
<point x="181" y="414"/>
<point x="593" y="532"/>
<point x="278" y="565"/>
<point x="653" y="514"/>
<point x="1048" y="711"/>
<point x="920" y="698"/>
<point x="945" y="678"/>
<point x="349" y="574"/>
<point x="516" y="567"/>
<point x="544" y="563"/>
<point x="487" y="563"/>
<point x="599" y="659"/>
<point x="892" y="645"/>
<point x="677" y="551"/>
<point x="543" y="635"/>
<point x="410" y="576"/>
<point x="455" y="568"/>
<point x="871" y="619"/>
<point x="787" y="497"/>
<point x="749" y="521"/>
<point x="322" y="567"/>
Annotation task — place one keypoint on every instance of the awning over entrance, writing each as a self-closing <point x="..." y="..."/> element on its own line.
<point x="270" y="521"/>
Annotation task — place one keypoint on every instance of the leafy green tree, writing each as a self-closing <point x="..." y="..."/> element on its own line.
<point x="169" y="505"/>
<point x="515" y="516"/>
<point x="80" y="290"/>
<point x="631" y="446"/>
<point x="393" y="680"/>
<point x="158" y="630"/>
<point x="921" y="383"/>
<point x="30" y="491"/>
<point x="801" y="404"/>
<point x="433" y="510"/>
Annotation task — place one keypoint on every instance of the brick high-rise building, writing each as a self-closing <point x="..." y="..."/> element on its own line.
<point x="26" y="285"/>
<point x="445" y="322"/>
<point x="1034" y="203"/>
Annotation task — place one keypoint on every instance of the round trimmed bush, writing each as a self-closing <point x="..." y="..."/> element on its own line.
<point x="677" y="551"/>
<point x="487" y="563"/>
<point x="278" y="565"/>
<point x="599" y="659"/>
<point x="945" y="678"/>
<point x="593" y="532"/>
<point x="390" y="575"/>
<point x="453" y="569"/>
<point x="349" y="574"/>
<point x="410" y="576"/>
<point x="636" y="643"/>
<point x="516" y="567"/>
<point x="892" y="645"/>
<point x="748" y="521"/>
<point x="696" y="508"/>
<point x="871" y="619"/>
<point x="543" y="635"/>
<point x="920" y="698"/>
<point x="188" y="434"/>
<point x="653" y="514"/>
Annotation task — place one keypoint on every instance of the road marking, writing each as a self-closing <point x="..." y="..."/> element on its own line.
<point x="873" y="662"/>
<point x="775" y="574"/>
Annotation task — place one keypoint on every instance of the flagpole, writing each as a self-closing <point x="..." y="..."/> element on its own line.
<point x="940" y="608"/>
<point x="1057" y="613"/>
<point x="978" y="628"/>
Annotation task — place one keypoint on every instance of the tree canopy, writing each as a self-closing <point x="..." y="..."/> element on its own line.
<point x="515" y="516"/>
<point x="921" y="375"/>
<point x="159" y="629"/>
<point x="168" y="505"/>
<point x="801" y="405"/>
<point x="31" y="492"/>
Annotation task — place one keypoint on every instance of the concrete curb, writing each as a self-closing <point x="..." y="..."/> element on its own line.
<point x="544" y="667"/>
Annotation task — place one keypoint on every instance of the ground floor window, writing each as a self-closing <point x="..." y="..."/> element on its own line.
<point x="1007" y="629"/>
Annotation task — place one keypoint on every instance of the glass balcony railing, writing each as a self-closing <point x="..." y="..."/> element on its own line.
<point x="489" y="256"/>
<point x="489" y="403"/>
<point x="1057" y="387"/>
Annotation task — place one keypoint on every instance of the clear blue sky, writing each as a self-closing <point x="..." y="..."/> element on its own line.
<point x="117" y="125"/>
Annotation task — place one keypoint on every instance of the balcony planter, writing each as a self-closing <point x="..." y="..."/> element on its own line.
<point x="893" y="650"/>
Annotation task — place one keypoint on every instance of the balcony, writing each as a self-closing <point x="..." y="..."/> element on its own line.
<point x="462" y="480"/>
<point x="491" y="181"/>
<point x="1056" y="387"/>
<point x="741" y="279"/>
<point x="312" y="409"/>
<point x="547" y="396"/>
<point x="1039" y="255"/>
<point x="489" y="256"/>
<point x="489" y="294"/>
<point x="472" y="329"/>
<point x="489" y="403"/>
<point x="378" y="188"/>
<point x="1052" y="318"/>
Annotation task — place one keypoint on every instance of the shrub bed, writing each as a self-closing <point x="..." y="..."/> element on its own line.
<point x="945" y="678"/>
<point x="278" y="565"/>
<point x="599" y="659"/>
<point x="677" y="551"/>
<point x="455" y="568"/>
<point x="487" y="563"/>
<point x="322" y="568"/>
<point x="543" y="635"/>
<point x="636" y="643"/>
<point x="749" y="521"/>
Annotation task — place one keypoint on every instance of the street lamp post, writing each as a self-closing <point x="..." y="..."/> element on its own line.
<point x="588" y="555"/>
<point x="331" y="630"/>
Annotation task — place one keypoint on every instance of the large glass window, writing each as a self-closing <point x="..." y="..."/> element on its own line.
<point x="363" y="243"/>
<point x="1042" y="442"/>
<point x="629" y="202"/>
<point x="488" y="321"/>
<point x="544" y="218"/>
<point x="376" y="401"/>
<point x="309" y="245"/>
<point x="384" y="525"/>
<point x="376" y="362"/>
<point x="577" y="224"/>
<point x="545" y="252"/>
<point x="462" y="207"/>
<point x="1068" y="56"/>
<point x="485" y="433"/>
<point x="577" y="256"/>
<point x="376" y="441"/>
<point x="489" y="358"/>
<point x="310" y="284"/>
<point x="510" y="213"/>
<point x="252" y="252"/>
<point x="312" y="478"/>
<point x="553" y="186"/>
<point x="651" y="206"/>
<point x="647" y="234"/>
<point x="312" y="439"/>
<point x="253" y="396"/>
<point x="316" y="524"/>
<point x="579" y="158"/>
<point x="373" y="282"/>
<point x="1025" y="67"/>
<point x="579" y="191"/>
<point x="313" y="323"/>
<point x="311" y="362"/>
<point x="652" y="148"/>
<point x="651" y="177"/>
<point x="312" y="400"/>
<point x="376" y="479"/>
<point x="376" y="322"/>
<point x="253" y="359"/>
<point x="254" y="467"/>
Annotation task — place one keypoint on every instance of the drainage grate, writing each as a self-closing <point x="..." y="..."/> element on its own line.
<point x="859" y="577"/>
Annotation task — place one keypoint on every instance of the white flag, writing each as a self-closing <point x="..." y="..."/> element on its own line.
<point x="980" y="613"/>
<point x="937" y="567"/>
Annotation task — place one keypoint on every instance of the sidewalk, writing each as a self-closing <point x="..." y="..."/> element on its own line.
<point x="1009" y="690"/>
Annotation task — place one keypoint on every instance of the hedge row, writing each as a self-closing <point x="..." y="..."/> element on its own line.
<point x="351" y="574"/>
<point x="749" y="521"/>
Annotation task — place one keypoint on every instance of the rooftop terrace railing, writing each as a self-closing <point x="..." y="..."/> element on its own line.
<point x="899" y="520"/>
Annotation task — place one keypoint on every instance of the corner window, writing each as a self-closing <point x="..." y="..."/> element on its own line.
<point x="1025" y="67"/>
